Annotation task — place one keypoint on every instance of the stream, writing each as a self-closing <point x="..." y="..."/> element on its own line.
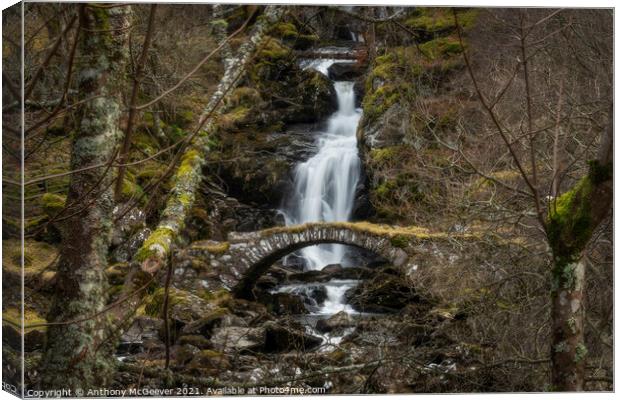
<point x="324" y="190"/>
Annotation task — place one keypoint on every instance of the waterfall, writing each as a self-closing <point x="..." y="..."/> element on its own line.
<point x="324" y="185"/>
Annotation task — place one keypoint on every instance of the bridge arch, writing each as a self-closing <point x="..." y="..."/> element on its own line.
<point x="250" y="255"/>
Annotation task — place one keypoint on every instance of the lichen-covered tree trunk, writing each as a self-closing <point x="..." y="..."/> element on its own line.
<point x="572" y="219"/>
<point x="156" y="248"/>
<point x="76" y="355"/>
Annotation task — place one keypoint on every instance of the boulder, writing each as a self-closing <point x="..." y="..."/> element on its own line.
<point x="237" y="338"/>
<point x="219" y="317"/>
<point x="318" y="294"/>
<point x="336" y="322"/>
<point x="184" y="307"/>
<point x="308" y="276"/>
<point x="279" y="337"/>
<point x="345" y="71"/>
<point x="198" y="341"/>
<point x="284" y="303"/>
<point x="142" y="334"/>
<point x="332" y="269"/>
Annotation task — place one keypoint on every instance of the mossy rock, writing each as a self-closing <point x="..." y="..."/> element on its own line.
<point x="441" y="47"/>
<point x="37" y="257"/>
<point x="34" y="338"/>
<point x="198" y="341"/>
<point x="53" y="203"/>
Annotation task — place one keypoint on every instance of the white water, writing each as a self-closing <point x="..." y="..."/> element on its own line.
<point x="325" y="184"/>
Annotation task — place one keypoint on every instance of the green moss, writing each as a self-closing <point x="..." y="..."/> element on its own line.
<point x="13" y="316"/>
<point x="384" y="154"/>
<point x="189" y="163"/>
<point x="155" y="303"/>
<point x="569" y="225"/>
<point x="378" y="102"/>
<point x="273" y="51"/>
<point x="400" y="241"/>
<point x="37" y="257"/>
<point x="156" y="244"/>
<point x="243" y="96"/>
<point x="384" y="189"/>
<point x="284" y="30"/>
<point x="219" y="23"/>
<point x="411" y="232"/>
<point x="581" y="351"/>
<point x="434" y="20"/>
<point x="52" y="203"/>
<point x="441" y="47"/>
<point x="219" y="248"/>
<point x="234" y="118"/>
<point x="130" y="189"/>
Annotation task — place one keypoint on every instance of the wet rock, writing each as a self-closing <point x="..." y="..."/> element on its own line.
<point x="318" y="294"/>
<point x="284" y="303"/>
<point x="284" y="338"/>
<point x="345" y="71"/>
<point x="295" y="262"/>
<point x="336" y="322"/>
<point x="309" y="276"/>
<point x="238" y="338"/>
<point x="332" y="269"/>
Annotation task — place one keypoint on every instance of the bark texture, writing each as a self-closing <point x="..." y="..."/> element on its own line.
<point x="571" y="222"/>
<point x="76" y="355"/>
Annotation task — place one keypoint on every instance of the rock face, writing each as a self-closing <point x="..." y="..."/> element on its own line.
<point x="336" y="322"/>
<point x="238" y="338"/>
<point x="345" y="71"/>
<point x="389" y="129"/>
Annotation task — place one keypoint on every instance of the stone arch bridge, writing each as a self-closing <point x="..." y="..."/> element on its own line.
<point x="246" y="256"/>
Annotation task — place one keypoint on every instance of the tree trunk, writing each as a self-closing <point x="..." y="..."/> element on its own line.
<point x="571" y="222"/>
<point x="156" y="248"/>
<point x="76" y="356"/>
<point x="567" y="310"/>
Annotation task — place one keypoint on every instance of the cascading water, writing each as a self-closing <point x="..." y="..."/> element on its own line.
<point x="324" y="190"/>
<point x="325" y="184"/>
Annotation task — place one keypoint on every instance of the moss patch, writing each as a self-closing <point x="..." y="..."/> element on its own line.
<point x="37" y="257"/>
<point x="12" y="316"/>
<point x="53" y="203"/>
